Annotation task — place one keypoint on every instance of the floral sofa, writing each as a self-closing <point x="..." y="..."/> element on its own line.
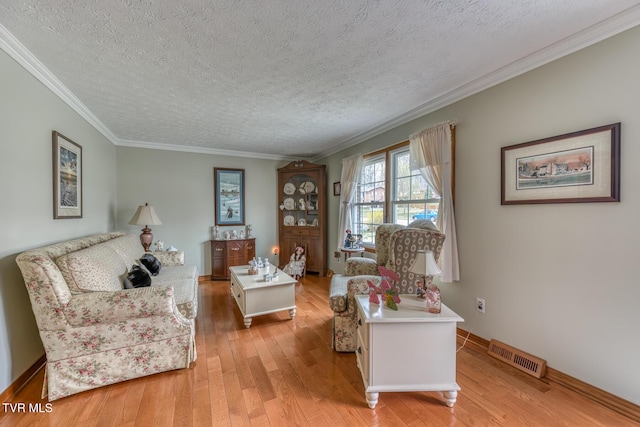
<point x="93" y="330"/>
<point x="396" y="248"/>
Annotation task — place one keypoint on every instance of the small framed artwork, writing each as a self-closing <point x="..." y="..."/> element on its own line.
<point x="336" y="188"/>
<point x="67" y="177"/>
<point x="229" y="196"/>
<point x="577" y="167"/>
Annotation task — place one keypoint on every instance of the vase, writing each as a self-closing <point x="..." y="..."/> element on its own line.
<point x="433" y="301"/>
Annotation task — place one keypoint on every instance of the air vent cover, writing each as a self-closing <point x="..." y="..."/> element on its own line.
<point x="525" y="362"/>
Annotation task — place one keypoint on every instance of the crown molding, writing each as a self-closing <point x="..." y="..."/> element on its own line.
<point x="608" y="28"/>
<point x="29" y="62"/>
<point x="200" y="150"/>
<point x="598" y="32"/>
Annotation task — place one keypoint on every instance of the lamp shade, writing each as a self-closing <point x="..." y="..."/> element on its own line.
<point x="145" y="215"/>
<point x="425" y="264"/>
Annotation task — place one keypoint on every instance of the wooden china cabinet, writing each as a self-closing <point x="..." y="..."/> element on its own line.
<point x="302" y="199"/>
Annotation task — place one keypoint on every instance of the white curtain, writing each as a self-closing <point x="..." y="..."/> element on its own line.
<point x="431" y="155"/>
<point x="351" y="167"/>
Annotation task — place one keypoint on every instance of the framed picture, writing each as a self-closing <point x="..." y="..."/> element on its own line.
<point x="577" y="167"/>
<point x="336" y="188"/>
<point x="67" y="178"/>
<point x="229" y="196"/>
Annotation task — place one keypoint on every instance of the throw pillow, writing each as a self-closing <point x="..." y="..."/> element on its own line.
<point x="152" y="263"/>
<point x="137" y="278"/>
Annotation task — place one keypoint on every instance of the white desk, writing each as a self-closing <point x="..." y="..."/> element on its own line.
<point x="406" y="350"/>
<point x="256" y="297"/>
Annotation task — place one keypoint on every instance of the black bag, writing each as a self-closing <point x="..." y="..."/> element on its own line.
<point x="151" y="263"/>
<point x="137" y="278"/>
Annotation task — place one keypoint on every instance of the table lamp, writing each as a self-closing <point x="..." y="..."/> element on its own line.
<point x="145" y="215"/>
<point x="426" y="266"/>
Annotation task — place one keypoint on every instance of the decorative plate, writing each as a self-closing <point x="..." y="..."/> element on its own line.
<point x="289" y="188"/>
<point x="289" y="204"/>
<point x="309" y="186"/>
<point x="289" y="220"/>
<point x="302" y="222"/>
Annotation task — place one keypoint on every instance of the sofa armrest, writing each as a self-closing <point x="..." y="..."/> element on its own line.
<point x="169" y="258"/>
<point x="358" y="266"/>
<point x="111" y="307"/>
<point x="343" y="288"/>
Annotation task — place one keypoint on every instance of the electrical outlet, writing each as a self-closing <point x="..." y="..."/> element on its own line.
<point x="480" y="305"/>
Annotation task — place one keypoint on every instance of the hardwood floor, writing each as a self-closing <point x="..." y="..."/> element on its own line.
<point x="282" y="372"/>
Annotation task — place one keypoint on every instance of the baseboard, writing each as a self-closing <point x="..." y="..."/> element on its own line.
<point x="205" y="278"/>
<point x="22" y="380"/>
<point x="606" y="399"/>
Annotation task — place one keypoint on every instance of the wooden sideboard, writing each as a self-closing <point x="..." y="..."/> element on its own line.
<point x="229" y="253"/>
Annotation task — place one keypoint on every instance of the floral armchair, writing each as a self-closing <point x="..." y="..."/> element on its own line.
<point x="396" y="249"/>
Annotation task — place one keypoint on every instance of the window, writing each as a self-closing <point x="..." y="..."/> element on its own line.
<point x="392" y="193"/>
<point x="370" y="198"/>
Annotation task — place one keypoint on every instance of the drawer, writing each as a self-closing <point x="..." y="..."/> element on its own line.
<point x="238" y="295"/>
<point x="362" y="358"/>
<point x="363" y="328"/>
<point x="218" y="249"/>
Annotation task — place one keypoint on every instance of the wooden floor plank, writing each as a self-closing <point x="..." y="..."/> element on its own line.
<point x="283" y="372"/>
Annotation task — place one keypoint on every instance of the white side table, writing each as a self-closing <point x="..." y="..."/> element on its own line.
<point x="348" y="252"/>
<point x="406" y="350"/>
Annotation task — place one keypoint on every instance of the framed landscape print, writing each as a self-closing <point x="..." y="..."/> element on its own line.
<point x="577" y="167"/>
<point x="229" y="196"/>
<point x="67" y="178"/>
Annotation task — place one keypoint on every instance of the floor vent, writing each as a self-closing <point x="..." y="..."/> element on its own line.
<point x="525" y="362"/>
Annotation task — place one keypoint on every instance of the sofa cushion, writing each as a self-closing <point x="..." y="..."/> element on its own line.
<point x="128" y="247"/>
<point x="151" y="263"/>
<point x="96" y="268"/>
<point x="184" y="279"/>
<point x="169" y="258"/>
<point x="137" y="278"/>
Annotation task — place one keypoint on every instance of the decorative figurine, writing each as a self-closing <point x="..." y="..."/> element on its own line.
<point x="347" y="240"/>
<point x="216" y="233"/>
<point x="248" y="231"/>
<point x="373" y="293"/>
<point x="389" y="277"/>
<point x="297" y="262"/>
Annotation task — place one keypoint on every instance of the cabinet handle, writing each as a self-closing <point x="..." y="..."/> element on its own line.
<point x="359" y="350"/>
<point x="238" y="296"/>
<point x="249" y="247"/>
<point x="235" y="249"/>
<point x="359" y="322"/>
<point x="219" y="249"/>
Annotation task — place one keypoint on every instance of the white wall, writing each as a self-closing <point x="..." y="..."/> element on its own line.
<point x="180" y="188"/>
<point x="560" y="280"/>
<point x="28" y="114"/>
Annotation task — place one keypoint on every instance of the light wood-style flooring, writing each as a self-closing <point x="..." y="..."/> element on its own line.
<point x="283" y="372"/>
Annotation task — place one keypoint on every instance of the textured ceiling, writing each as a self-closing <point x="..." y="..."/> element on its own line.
<point x="285" y="78"/>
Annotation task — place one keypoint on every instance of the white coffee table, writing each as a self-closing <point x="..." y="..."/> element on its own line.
<point x="256" y="297"/>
